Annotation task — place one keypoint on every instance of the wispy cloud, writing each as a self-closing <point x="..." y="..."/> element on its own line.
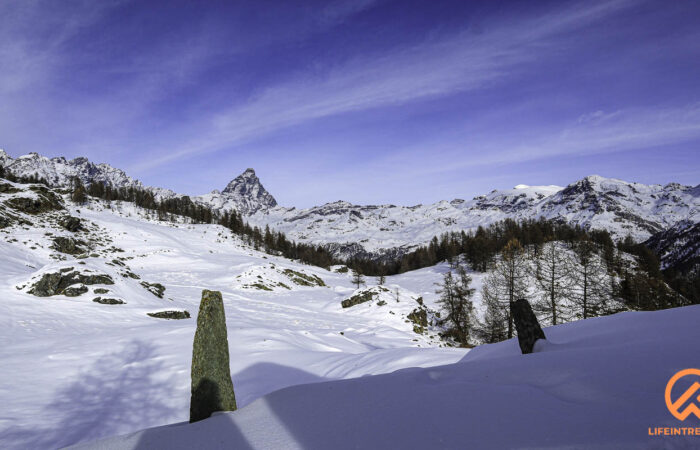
<point x="590" y="134"/>
<point x="437" y="67"/>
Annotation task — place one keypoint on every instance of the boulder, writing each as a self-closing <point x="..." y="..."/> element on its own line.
<point x="526" y="324"/>
<point x="212" y="388"/>
<point x="75" y="291"/>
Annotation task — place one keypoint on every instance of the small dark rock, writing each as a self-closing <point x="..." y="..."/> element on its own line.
<point x="71" y="224"/>
<point x="170" y="315"/>
<point x="100" y="291"/>
<point x="108" y="301"/>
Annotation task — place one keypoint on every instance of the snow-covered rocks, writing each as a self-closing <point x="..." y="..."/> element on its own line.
<point x="56" y="283"/>
<point x="271" y="277"/>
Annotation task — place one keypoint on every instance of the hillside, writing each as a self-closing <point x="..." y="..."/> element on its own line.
<point x="107" y="367"/>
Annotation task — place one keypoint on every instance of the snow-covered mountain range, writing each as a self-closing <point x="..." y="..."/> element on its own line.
<point x="623" y="208"/>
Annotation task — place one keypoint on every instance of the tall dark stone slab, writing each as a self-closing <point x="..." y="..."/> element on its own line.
<point x="212" y="388"/>
<point x="526" y="324"/>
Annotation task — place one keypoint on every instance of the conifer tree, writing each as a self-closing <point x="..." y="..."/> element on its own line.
<point x="455" y="300"/>
<point x="592" y="287"/>
<point x="79" y="194"/>
<point x="507" y="281"/>
<point x="554" y="281"/>
<point x="357" y="278"/>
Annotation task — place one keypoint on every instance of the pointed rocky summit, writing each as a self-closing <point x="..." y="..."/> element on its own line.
<point x="249" y="194"/>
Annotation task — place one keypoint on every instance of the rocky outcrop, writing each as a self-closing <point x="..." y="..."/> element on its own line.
<point x="419" y="317"/>
<point x="7" y="188"/>
<point x="526" y="324"/>
<point x="360" y="297"/>
<point x="303" y="279"/>
<point x="55" y="283"/>
<point x="43" y="201"/>
<point x="212" y="388"/>
<point x="69" y="245"/>
<point x="156" y="289"/>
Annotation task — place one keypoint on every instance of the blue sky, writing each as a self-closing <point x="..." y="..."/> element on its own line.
<point x="369" y="101"/>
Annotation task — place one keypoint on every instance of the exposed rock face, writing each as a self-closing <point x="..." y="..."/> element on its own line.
<point x="212" y="388"/>
<point x="108" y="301"/>
<point x="71" y="224"/>
<point x="678" y="247"/>
<point x="419" y="317"/>
<point x="55" y="283"/>
<point x="526" y="324"/>
<point x="6" y="188"/>
<point x="43" y="201"/>
<point x="173" y="315"/>
<point x="249" y="190"/>
<point x="68" y="245"/>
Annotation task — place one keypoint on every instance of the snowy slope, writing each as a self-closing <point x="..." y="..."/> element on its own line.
<point x="597" y="383"/>
<point x="75" y="370"/>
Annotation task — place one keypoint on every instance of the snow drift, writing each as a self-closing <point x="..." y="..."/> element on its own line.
<point x="597" y="383"/>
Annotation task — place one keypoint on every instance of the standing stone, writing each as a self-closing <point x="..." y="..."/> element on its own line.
<point x="526" y="324"/>
<point x="212" y="388"/>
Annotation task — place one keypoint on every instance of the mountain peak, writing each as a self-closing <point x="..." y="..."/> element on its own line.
<point x="249" y="193"/>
